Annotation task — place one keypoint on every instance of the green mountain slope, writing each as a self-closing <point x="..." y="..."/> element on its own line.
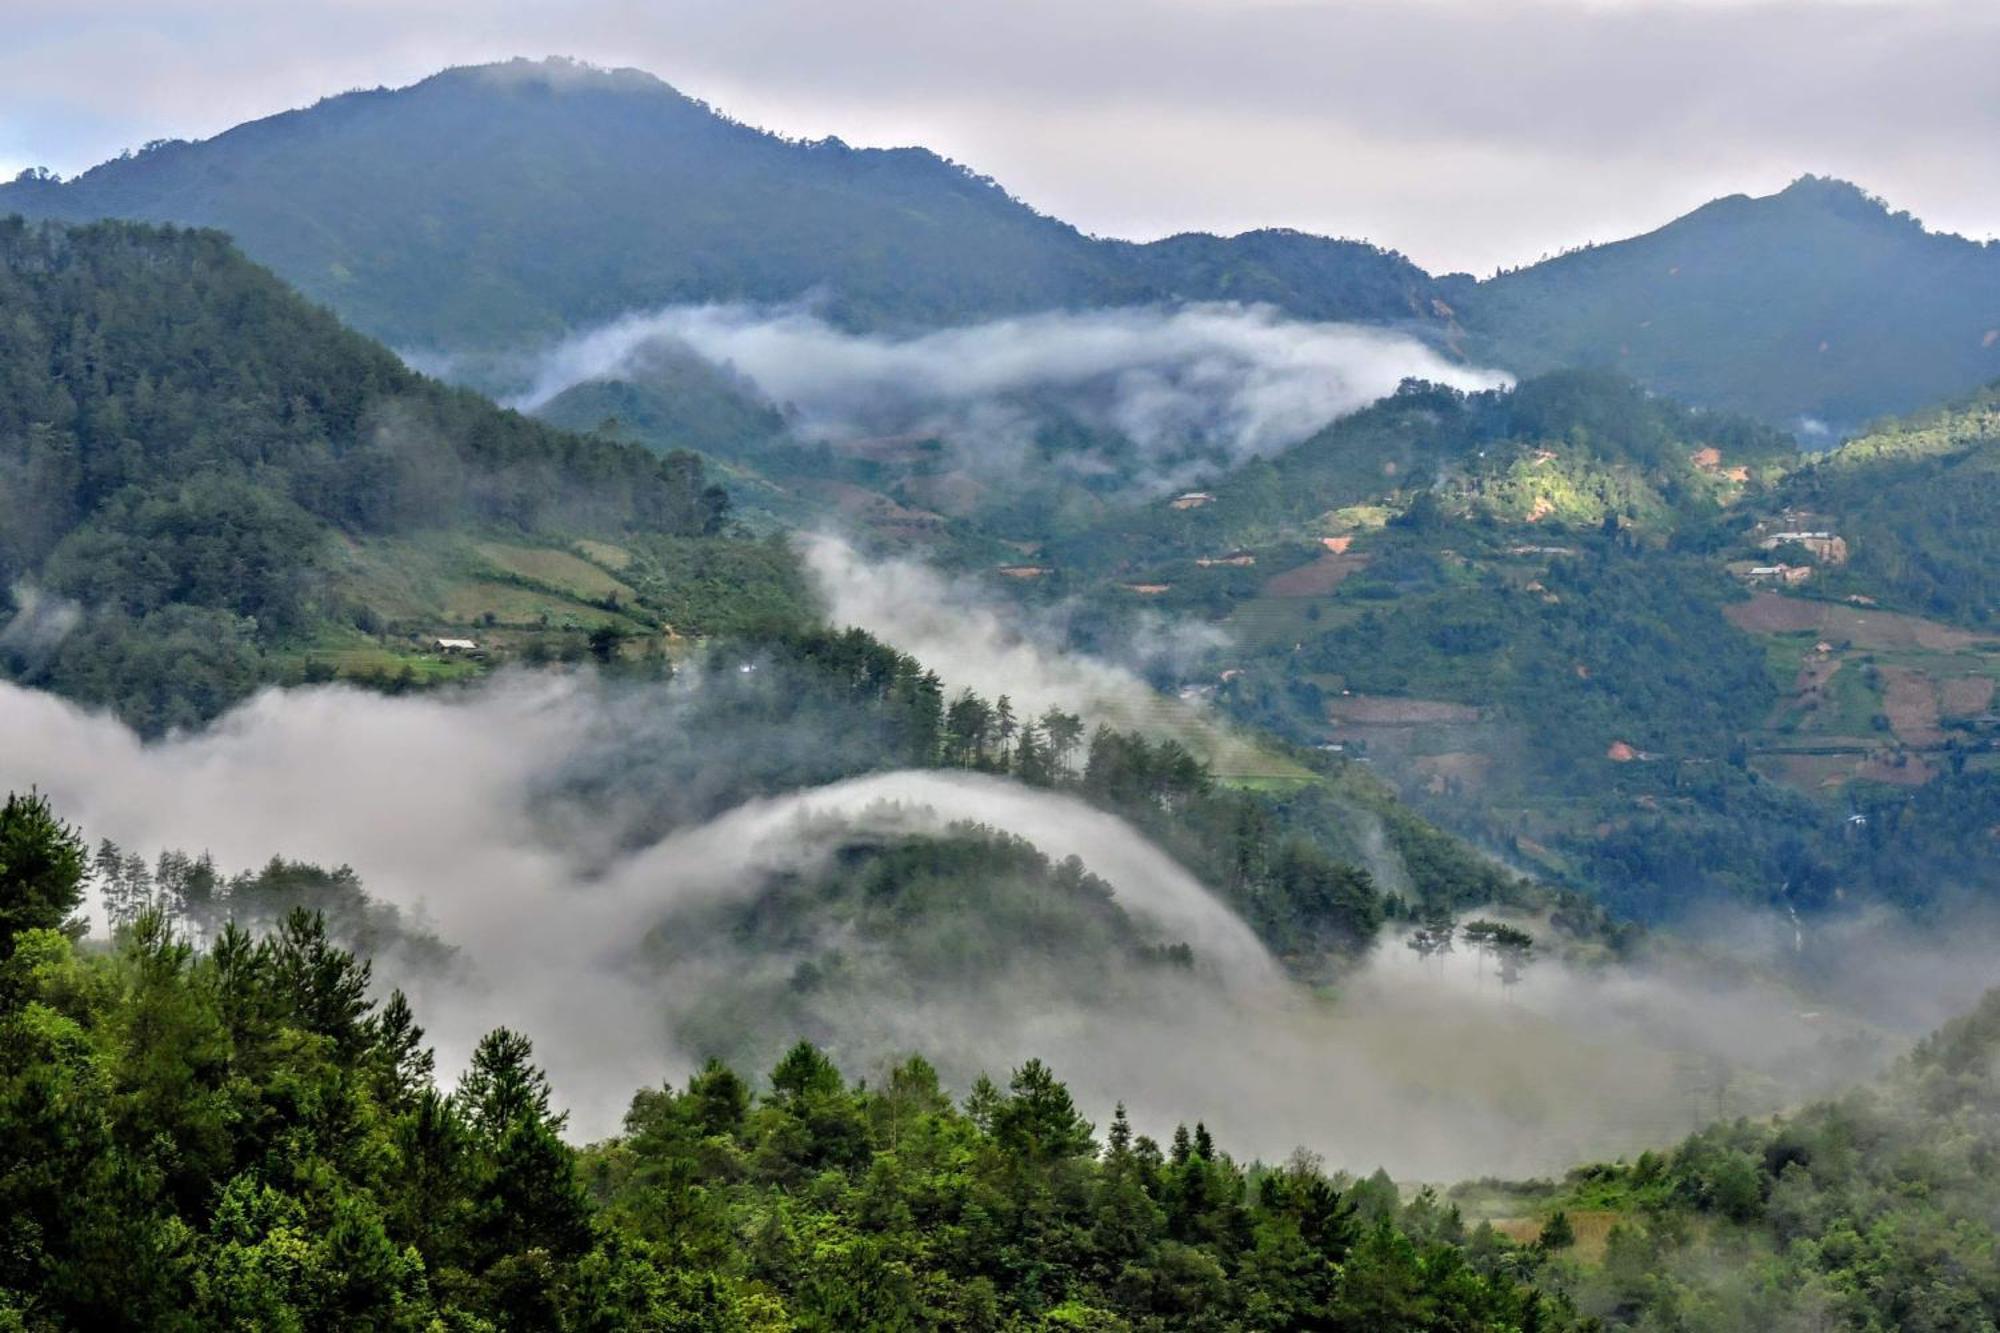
<point x="1583" y="624"/>
<point x="203" y="479"/>
<point x="1817" y="302"/>
<point x="1917" y="502"/>
<point x="499" y="205"/>
<point x="496" y="207"/>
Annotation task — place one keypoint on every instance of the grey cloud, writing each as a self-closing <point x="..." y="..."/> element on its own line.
<point x="40" y="622"/>
<point x="1427" y="1068"/>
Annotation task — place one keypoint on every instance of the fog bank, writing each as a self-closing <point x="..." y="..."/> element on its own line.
<point x="1433" y="1070"/>
<point x="1191" y="389"/>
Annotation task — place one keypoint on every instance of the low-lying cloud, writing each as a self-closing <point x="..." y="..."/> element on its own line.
<point x="1432" y="1069"/>
<point x="1187" y="389"/>
<point x="975" y="640"/>
<point x="39" y="623"/>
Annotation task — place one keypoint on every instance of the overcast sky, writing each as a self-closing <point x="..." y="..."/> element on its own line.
<point x="1466" y="133"/>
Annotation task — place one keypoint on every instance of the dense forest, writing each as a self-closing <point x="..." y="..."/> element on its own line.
<point x="189" y="453"/>
<point x="245" y="1134"/>
<point x="485" y="226"/>
<point x="1917" y="499"/>
<point x="1817" y="308"/>
<point x="508" y="204"/>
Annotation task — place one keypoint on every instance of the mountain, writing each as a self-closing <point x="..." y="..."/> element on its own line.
<point x="207" y="486"/>
<point x="500" y="205"/>
<point x="1655" y="653"/>
<point x="493" y="208"/>
<point x="1816" y="307"/>
<point x="206" y="483"/>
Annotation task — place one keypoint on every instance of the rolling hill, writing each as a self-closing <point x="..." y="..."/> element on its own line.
<point x="207" y="484"/>
<point x="1650" y="651"/>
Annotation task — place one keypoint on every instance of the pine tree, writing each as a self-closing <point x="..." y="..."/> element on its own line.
<point x="502" y="1086"/>
<point x="42" y="870"/>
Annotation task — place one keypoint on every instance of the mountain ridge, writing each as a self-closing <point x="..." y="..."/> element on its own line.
<point x="498" y="207"/>
<point x="476" y="182"/>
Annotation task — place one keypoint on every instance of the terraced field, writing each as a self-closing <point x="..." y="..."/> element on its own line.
<point x="560" y="570"/>
<point x="1868" y="696"/>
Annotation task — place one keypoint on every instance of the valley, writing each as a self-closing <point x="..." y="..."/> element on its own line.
<point x="613" y="719"/>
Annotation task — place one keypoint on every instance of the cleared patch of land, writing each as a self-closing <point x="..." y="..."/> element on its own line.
<point x="1591" y="1225"/>
<point x="604" y="553"/>
<point x="1772" y="613"/>
<point x="555" y="569"/>
<point x="1910" y="700"/>
<point x="476" y="600"/>
<point x="1367" y="710"/>
<point x="1318" y="578"/>
<point x="1867" y="696"/>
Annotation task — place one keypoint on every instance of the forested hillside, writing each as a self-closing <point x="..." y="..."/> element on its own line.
<point x="501" y="205"/>
<point x="1291" y="859"/>
<point x="1577" y="621"/>
<point x="203" y="478"/>
<point x="1918" y="503"/>
<point x="245" y="1133"/>
<point x="1817" y="308"/>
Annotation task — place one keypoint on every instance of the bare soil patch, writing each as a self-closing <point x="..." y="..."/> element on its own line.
<point x="1771" y="613"/>
<point x="1455" y="770"/>
<point x="1910" y="699"/>
<point x="1592" y="1227"/>
<point x="1317" y="579"/>
<point x="1378" y="711"/>
<point x="1966" y="696"/>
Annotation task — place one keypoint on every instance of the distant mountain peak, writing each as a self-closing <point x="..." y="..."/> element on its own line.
<point x="559" y="73"/>
<point x="1835" y="195"/>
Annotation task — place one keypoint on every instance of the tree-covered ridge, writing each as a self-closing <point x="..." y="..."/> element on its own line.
<point x="1547" y="588"/>
<point x="189" y="453"/>
<point x="247" y="1135"/>
<point x="1570" y="448"/>
<point x="1917" y="502"/>
<point x="1816" y="307"/>
<point x="1292" y="862"/>
<point x="1872" y="1211"/>
<point x="1515" y="604"/>
<point x="501" y="205"/>
<point x="243" y="1135"/>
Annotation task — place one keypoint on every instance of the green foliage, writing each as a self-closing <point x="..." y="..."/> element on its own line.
<point x="1870" y="1211"/>
<point x="1816" y="302"/>
<point x="1663" y="670"/>
<point x="1918" y="503"/>
<point x="41" y="868"/>
<point x="506" y="203"/>
<point x="243" y="1136"/>
<point x="197" y="1139"/>
<point x="189" y="453"/>
<point x="1567" y="447"/>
